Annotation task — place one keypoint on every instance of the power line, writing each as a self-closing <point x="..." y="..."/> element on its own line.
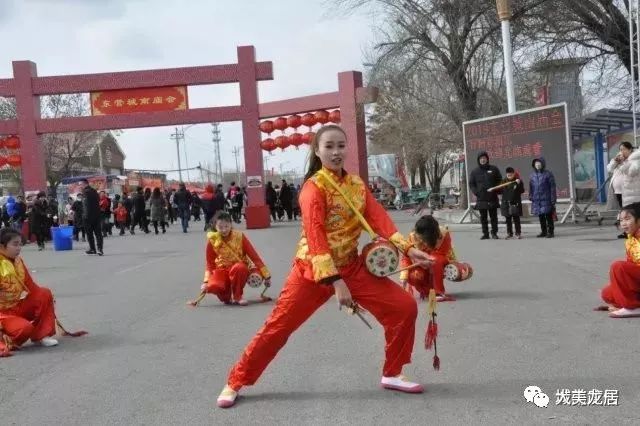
<point x="216" y="145"/>
<point x="176" y="136"/>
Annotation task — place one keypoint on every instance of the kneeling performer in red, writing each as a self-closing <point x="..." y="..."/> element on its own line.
<point x="231" y="259"/>
<point x="434" y="240"/>
<point x="622" y="294"/>
<point x="26" y="309"/>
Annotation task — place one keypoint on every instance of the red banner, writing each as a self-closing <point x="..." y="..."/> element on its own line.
<point x="148" y="99"/>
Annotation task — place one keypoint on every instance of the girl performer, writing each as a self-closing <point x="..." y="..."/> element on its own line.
<point x="26" y="309"/>
<point x="435" y="240"/>
<point x="327" y="263"/>
<point x="228" y="254"/>
<point x="622" y="294"/>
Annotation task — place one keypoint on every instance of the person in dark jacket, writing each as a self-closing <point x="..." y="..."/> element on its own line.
<point x="91" y="217"/>
<point x="19" y="213"/>
<point x="286" y="199"/>
<point x="196" y="206"/>
<point x="78" y="223"/>
<point x="127" y="202"/>
<point x="271" y="199"/>
<point x="39" y="220"/>
<point x="208" y="205"/>
<point x="542" y="194"/>
<point x="139" y="214"/>
<point x="482" y="178"/>
<point x="182" y="199"/>
<point x="511" y="206"/>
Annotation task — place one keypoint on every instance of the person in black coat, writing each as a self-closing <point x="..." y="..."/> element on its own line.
<point x="91" y="217"/>
<point x="511" y="206"/>
<point x="271" y="199"/>
<point x="286" y="199"/>
<point x="182" y="199"/>
<point x="39" y="220"/>
<point x="139" y="213"/>
<point x="78" y="223"/>
<point x="482" y="178"/>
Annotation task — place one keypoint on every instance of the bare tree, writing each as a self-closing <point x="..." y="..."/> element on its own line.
<point x="64" y="151"/>
<point x="407" y="122"/>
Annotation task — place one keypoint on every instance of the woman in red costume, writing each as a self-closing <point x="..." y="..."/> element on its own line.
<point x="622" y="294"/>
<point x="327" y="263"/>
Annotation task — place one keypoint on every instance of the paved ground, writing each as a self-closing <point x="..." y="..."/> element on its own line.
<point x="524" y="319"/>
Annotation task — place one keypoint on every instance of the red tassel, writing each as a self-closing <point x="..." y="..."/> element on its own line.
<point x="65" y="332"/>
<point x="75" y="333"/>
<point x="436" y="362"/>
<point x="432" y="332"/>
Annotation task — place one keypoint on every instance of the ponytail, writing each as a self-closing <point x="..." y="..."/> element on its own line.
<point x="315" y="164"/>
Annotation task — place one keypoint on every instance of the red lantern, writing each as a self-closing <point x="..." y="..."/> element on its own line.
<point x="268" y="145"/>
<point x="294" y="121"/>
<point x="3" y="161"/>
<point x="334" y="116"/>
<point x="308" y="137"/>
<point x="280" y="123"/>
<point x="266" y="126"/>
<point x="14" y="160"/>
<point x="308" y="120"/>
<point x="295" y="139"/>
<point x="282" y="142"/>
<point x="12" y="142"/>
<point x="2" y="143"/>
<point x="322" y="116"/>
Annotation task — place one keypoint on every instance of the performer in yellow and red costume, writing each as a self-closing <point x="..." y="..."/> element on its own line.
<point x="26" y="309"/>
<point x="327" y="263"/>
<point x="230" y="257"/>
<point x="435" y="240"/>
<point x="622" y="294"/>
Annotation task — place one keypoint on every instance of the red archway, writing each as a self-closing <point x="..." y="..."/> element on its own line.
<point x="26" y="87"/>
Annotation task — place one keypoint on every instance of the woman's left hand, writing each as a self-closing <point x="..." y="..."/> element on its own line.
<point x="418" y="256"/>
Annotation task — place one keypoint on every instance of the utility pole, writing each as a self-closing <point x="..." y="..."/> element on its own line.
<point x="201" y="173"/>
<point x="236" y="153"/>
<point x="186" y="158"/>
<point x="176" y="136"/>
<point x="100" y="157"/>
<point x="216" y="147"/>
<point x="504" y="14"/>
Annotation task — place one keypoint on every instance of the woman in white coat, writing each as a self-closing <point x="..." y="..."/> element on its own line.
<point x="625" y="183"/>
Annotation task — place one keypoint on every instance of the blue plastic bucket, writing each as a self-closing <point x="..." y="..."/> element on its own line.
<point x="62" y="237"/>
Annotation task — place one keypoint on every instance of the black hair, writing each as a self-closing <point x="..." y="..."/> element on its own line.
<point x="627" y="145"/>
<point x="428" y="229"/>
<point x="85" y="181"/>
<point x="510" y="170"/>
<point x="221" y="215"/>
<point x="633" y="209"/>
<point x="8" y="234"/>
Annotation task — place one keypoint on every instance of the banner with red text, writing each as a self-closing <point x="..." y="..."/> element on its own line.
<point x="514" y="140"/>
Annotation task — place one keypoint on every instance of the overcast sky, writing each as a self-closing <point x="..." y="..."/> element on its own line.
<point x="307" y="44"/>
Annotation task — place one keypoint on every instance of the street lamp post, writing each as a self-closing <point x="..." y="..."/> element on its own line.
<point x="504" y="13"/>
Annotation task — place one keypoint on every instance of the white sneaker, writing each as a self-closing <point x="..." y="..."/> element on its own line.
<point x="625" y="313"/>
<point x="242" y="302"/>
<point x="46" y="342"/>
<point x="227" y="397"/>
<point x="402" y="384"/>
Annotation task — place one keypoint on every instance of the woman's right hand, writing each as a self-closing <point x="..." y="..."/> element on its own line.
<point x="342" y="294"/>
